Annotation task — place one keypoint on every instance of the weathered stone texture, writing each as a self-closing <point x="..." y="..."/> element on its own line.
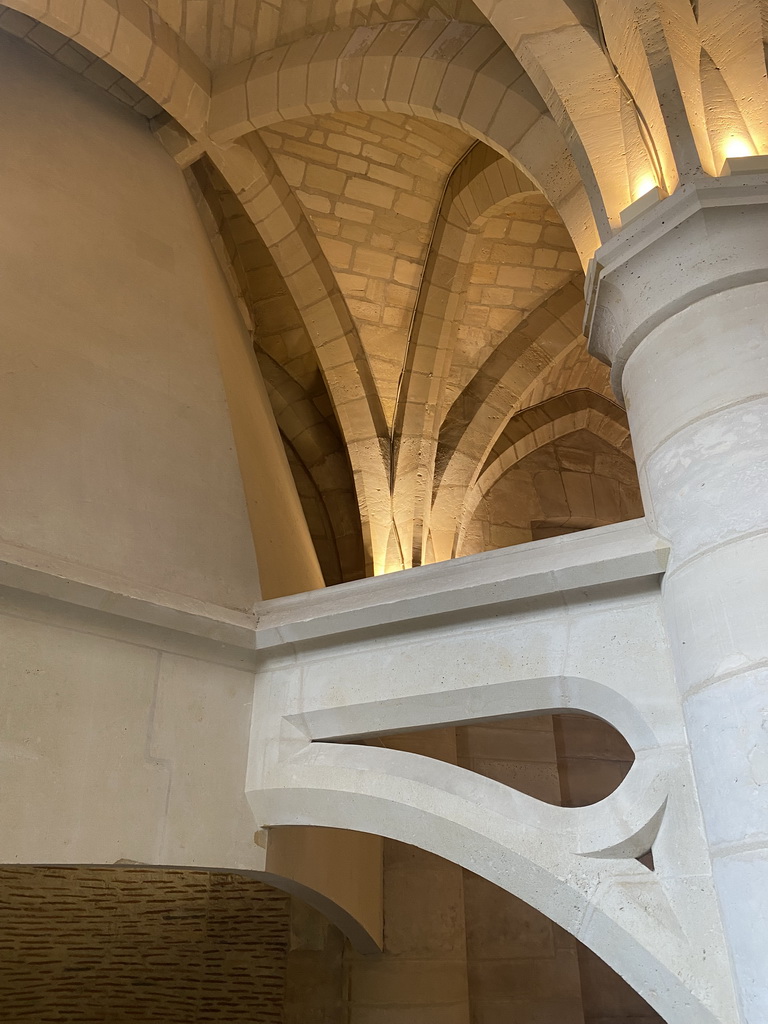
<point x="122" y="945"/>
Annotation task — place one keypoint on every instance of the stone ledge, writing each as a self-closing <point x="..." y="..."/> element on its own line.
<point x="32" y="573"/>
<point x="609" y="554"/>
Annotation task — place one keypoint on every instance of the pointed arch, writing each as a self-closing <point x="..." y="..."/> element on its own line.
<point x="461" y="74"/>
<point x="134" y="40"/>
<point x="607" y="900"/>
<point x="253" y="176"/>
<point x="539" y="425"/>
<point x="321" y="453"/>
<point x="487" y="403"/>
<point x="479" y="182"/>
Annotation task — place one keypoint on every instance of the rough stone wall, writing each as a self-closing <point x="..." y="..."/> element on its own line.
<point x="583" y="481"/>
<point x="134" y="945"/>
<point x="575" y="368"/>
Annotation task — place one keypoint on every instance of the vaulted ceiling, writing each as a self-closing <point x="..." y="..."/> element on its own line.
<point x="458" y="294"/>
<point x="403" y="197"/>
<point x="222" y="33"/>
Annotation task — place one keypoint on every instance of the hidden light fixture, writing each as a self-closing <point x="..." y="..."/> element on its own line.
<point x="751" y="164"/>
<point x="644" y="202"/>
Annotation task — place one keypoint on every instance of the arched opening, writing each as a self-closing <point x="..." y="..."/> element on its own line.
<point x="518" y="961"/>
<point x="105" y="944"/>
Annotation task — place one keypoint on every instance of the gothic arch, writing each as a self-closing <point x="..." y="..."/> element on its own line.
<point x="481" y="181"/>
<point x="457" y="73"/>
<point x="320" y="452"/>
<point x="539" y="425"/>
<point x="474" y="423"/>
<point x="135" y="41"/>
<point x="252" y="175"/>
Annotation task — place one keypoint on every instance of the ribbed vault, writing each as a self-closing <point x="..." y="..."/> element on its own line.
<point x="403" y="197"/>
<point x="457" y="293"/>
<point x="408" y="288"/>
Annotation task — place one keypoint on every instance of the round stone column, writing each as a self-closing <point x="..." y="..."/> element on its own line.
<point x="679" y="306"/>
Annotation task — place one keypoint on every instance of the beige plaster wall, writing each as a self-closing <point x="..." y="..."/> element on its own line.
<point x="126" y="372"/>
<point x="117" y="457"/>
<point x="119" y="743"/>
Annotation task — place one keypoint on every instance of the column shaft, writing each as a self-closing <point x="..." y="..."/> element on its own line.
<point x="694" y="376"/>
<point x="697" y="391"/>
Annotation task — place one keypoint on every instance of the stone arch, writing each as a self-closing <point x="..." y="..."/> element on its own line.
<point x="734" y="38"/>
<point x="480" y="181"/>
<point x="574" y="865"/>
<point x="251" y="173"/>
<point x="320" y="451"/>
<point x="475" y="422"/>
<point x="289" y="366"/>
<point x="596" y="112"/>
<point x="539" y="425"/>
<point x="133" y="39"/>
<point x="458" y="73"/>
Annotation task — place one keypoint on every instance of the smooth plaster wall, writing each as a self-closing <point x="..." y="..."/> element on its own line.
<point x="118" y="457"/>
<point x="118" y="742"/>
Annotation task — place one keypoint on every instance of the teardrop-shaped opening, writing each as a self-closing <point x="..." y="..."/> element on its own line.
<point x="566" y="759"/>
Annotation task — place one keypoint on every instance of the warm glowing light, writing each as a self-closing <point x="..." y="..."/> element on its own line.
<point x="738" y="146"/>
<point x="643" y="186"/>
<point x="388" y="562"/>
<point x="388" y="568"/>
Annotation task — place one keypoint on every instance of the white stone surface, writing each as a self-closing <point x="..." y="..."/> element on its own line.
<point x="623" y="551"/>
<point x="114" y="749"/>
<point x="680" y="308"/>
<point x="587" y="636"/>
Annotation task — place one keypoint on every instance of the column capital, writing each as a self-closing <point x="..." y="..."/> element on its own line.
<point x="709" y="236"/>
